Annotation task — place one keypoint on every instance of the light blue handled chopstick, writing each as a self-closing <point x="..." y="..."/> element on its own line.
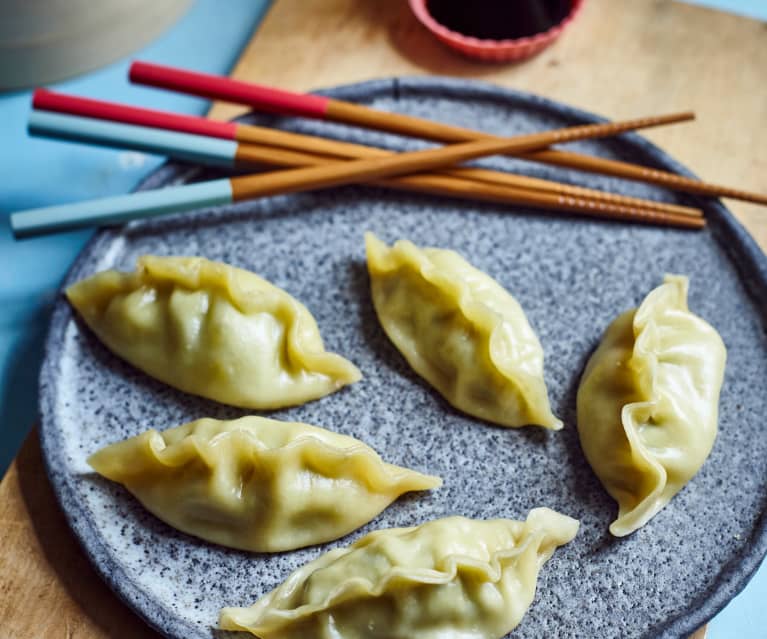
<point x="120" y="208"/>
<point x="198" y="149"/>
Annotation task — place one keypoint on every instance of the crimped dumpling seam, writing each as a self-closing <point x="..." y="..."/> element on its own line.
<point x="265" y="299"/>
<point x="461" y="331"/>
<point x="213" y="330"/>
<point x="354" y="588"/>
<point x="648" y="403"/>
<point x="374" y="473"/>
<point x="474" y="311"/>
<point x="452" y="577"/>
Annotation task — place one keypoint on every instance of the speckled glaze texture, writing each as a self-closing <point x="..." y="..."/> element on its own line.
<point x="572" y="278"/>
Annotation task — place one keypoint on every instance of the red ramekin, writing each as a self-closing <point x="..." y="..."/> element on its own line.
<point x="493" y="50"/>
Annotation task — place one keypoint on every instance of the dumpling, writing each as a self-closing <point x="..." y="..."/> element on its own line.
<point x="212" y="330"/>
<point x="461" y="331"/>
<point x="452" y="578"/>
<point x="257" y="484"/>
<point x="648" y="402"/>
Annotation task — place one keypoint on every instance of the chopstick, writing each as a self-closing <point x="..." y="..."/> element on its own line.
<point x="225" y="153"/>
<point x="196" y="149"/>
<point x="274" y="100"/>
<point x="280" y="101"/>
<point x="642" y="174"/>
<point x="235" y="189"/>
<point x="477" y="184"/>
<point x="319" y="147"/>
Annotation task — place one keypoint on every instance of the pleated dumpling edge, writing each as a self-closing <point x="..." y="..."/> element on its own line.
<point x="212" y="330"/>
<point x="451" y="577"/>
<point x="648" y="403"/>
<point x="461" y="331"/>
<point x="257" y="484"/>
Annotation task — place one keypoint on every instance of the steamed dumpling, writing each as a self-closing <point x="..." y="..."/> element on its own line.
<point x="648" y="403"/>
<point x="257" y="484"/>
<point x="461" y="331"/>
<point x="452" y="578"/>
<point x="212" y="330"/>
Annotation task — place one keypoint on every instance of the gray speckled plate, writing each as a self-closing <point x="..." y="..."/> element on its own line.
<point x="572" y="278"/>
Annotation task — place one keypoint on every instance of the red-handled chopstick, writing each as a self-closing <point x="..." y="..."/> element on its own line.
<point x="274" y="100"/>
<point x="101" y="109"/>
<point x="87" y="107"/>
<point x="268" y="99"/>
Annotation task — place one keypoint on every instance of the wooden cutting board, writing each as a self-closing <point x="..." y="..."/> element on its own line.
<point x="622" y="58"/>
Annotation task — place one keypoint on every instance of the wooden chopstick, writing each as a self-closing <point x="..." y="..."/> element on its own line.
<point x="354" y="171"/>
<point x="249" y="153"/>
<point x="462" y="183"/>
<point x="152" y="203"/>
<point x="304" y="144"/>
<point x="308" y="105"/>
<point x="559" y="188"/>
<point x="642" y="174"/>
<point x="445" y="184"/>
<point x="284" y="102"/>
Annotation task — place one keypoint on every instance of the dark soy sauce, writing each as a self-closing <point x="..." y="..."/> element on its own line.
<point x="499" y="19"/>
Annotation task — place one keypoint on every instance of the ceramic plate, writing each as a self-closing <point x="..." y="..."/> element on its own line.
<point x="571" y="276"/>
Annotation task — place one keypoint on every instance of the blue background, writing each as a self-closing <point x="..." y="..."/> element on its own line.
<point x="37" y="172"/>
<point x="752" y="9"/>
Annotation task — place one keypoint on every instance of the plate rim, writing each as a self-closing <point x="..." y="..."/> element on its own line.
<point x="750" y="263"/>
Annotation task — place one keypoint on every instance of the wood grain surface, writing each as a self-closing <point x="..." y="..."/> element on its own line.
<point x="621" y="58"/>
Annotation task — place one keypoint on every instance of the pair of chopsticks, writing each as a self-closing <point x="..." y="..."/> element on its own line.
<point x="271" y="100"/>
<point x="191" y="138"/>
<point x="225" y="191"/>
